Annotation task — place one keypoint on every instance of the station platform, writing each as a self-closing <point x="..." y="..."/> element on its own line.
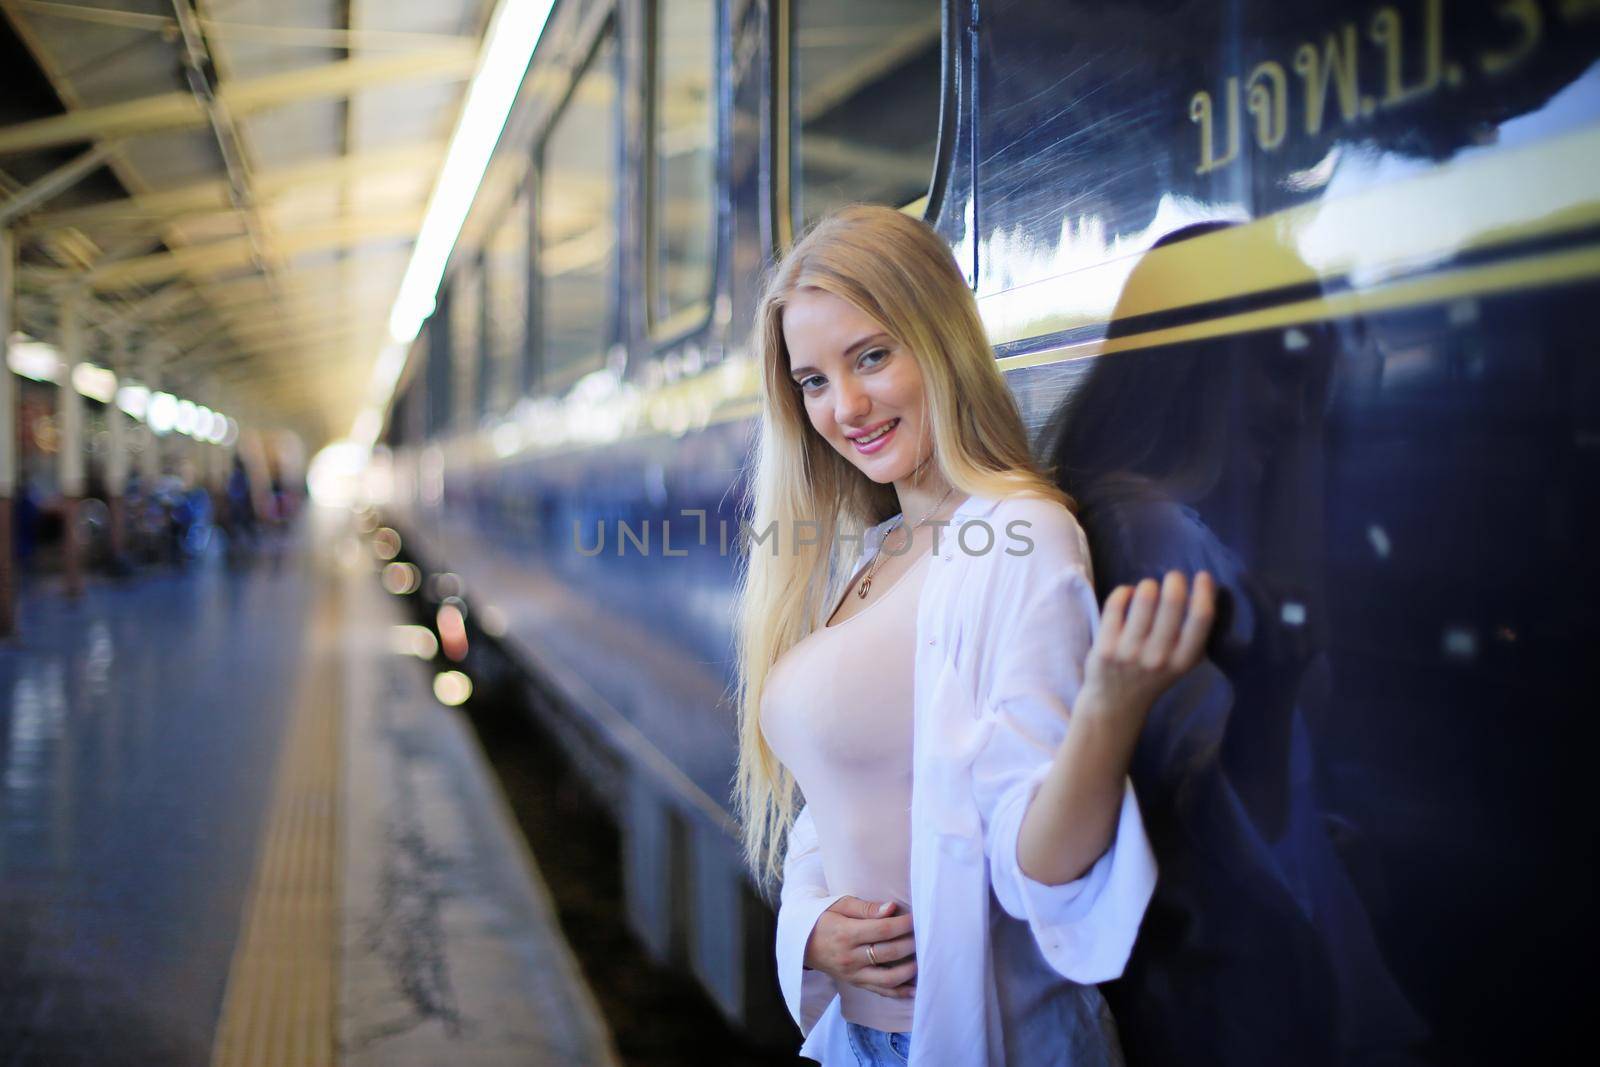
<point x="237" y="828"/>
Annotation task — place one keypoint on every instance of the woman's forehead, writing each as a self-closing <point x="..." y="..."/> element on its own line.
<point x="815" y="320"/>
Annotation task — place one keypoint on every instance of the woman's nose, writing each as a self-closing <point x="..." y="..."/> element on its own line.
<point x="850" y="403"/>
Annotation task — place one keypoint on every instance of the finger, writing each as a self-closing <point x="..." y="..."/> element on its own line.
<point x="1111" y="617"/>
<point x="1140" y="612"/>
<point x="884" y="980"/>
<point x="882" y="929"/>
<point x="1169" y="617"/>
<point x="1197" y="624"/>
<point x="895" y="951"/>
<point x="856" y="908"/>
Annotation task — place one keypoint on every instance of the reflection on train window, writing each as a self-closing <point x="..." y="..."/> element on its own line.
<point x="506" y="278"/>
<point x="683" y="176"/>
<point x="577" y="228"/>
<point x="466" y="343"/>
<point x="865" y="103"/>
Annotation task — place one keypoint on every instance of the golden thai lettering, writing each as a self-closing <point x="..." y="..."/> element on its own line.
<point x="1386" y="32"/>
<point x="1405" y="59"/>
<point x="1335" y="65"/>
<point x="1529" y="21"/>
<point x="1200" y="111"/>
<point x="1268" y="101"/>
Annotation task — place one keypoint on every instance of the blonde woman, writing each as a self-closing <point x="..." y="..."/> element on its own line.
<point x="957" y="714"/>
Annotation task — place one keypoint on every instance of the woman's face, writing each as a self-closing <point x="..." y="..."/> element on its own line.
<point x="862" y="388"/>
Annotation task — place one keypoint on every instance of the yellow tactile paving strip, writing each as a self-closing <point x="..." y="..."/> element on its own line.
<point x="279" y="1009"/>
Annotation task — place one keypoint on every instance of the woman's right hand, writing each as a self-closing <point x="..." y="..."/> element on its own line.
<point x="840" y="940"/>
<point x="1149" y="637"/>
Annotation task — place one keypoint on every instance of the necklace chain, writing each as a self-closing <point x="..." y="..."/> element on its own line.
<point x="877" y="557"/>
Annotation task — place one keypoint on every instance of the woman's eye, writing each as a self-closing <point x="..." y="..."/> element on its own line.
<point x="803" y="383"/>
<point x="877" y="355"/>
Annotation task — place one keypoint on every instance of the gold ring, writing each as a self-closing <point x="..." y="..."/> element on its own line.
<point x="873" y="956"/>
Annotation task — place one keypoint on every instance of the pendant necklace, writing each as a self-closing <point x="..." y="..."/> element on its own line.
<point x="877" y="557"/>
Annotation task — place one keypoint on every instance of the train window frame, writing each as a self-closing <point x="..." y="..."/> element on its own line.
<point x="669" y="330"/>
<point x="515" y="209"/>
<point x="467" y="280"/>
<point x="780" y="119"/>
<point x="609" y="27"/>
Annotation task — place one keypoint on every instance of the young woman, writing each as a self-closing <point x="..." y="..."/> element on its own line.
<point x="959" y="730"/>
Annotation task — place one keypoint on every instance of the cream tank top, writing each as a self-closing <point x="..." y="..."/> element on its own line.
<point x="837" y="710"/>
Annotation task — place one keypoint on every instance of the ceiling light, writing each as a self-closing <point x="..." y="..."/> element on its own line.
<point x="33" y="359"/>
<point x="163" y="413"/>
<point x="134" y="399"/>
<point x="508" y="49"/>
<point x="184" y="417"/>
<point x="96" y="383"/>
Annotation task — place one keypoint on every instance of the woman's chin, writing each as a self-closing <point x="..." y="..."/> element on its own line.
<point x="884" y="474"/>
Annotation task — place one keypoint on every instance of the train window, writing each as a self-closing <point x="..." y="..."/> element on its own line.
<point x="466" y="342"/>
<point x="683" y="163"/>
<point x="864" y="103"/>
<point x="506" y="280"/>
<point x="577" y="226"/>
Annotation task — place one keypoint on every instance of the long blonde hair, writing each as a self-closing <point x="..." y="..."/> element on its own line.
<point x="896" y="270"/>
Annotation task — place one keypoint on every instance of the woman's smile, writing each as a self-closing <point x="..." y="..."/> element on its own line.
<point x="874" y="439"/>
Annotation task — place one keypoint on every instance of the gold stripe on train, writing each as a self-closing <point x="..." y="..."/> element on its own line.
<point x="1473" y="203"/>
<point x="1532" y="272"/>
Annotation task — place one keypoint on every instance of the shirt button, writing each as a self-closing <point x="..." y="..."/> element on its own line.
<point x="933" y="641"/>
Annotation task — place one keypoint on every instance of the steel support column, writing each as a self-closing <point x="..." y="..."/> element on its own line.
<point x="69" y="419"/>
<point x="117" y="455"/>
<point x="8" y="434"/>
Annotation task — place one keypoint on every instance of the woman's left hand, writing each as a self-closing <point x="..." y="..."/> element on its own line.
<point x="1149" y="637"/>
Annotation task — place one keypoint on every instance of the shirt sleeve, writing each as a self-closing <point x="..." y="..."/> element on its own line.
<point x="1085" y="928"/>
<point x="803" y="898"/>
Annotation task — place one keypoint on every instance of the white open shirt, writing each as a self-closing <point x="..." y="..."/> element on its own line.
<point x="1001" y="645"/>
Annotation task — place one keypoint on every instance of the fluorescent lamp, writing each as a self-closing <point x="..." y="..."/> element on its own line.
<point x="508" y="49"/>
<point x="184" y="419"/>
<point x="33" y="359"/>
<point x="368" y="425"/>
<point x="134" y="399"/>
<point x="96" y="383"/>
<point x="163" y="413"/>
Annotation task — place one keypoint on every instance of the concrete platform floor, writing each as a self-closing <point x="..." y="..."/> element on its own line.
<point x="235" y="827"/>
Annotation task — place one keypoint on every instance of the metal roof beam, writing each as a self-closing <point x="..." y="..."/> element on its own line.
<point x="237" y="252"/>
<point x="206" y="197"/>
<point x="218" y="29"/>
<point x="180" y="110"/>
<point x="56" y="182"/>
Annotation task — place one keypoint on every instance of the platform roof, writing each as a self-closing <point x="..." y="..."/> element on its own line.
<point x="251" y="177"/>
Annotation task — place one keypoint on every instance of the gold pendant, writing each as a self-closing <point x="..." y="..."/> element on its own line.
<point x="861" y="591"/>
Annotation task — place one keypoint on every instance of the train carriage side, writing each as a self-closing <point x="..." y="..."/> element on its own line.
<point x="1293" y="292"/>
<point x="1302" y="293"/>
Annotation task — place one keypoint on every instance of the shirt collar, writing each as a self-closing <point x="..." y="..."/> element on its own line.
<point x="974" y="507"/>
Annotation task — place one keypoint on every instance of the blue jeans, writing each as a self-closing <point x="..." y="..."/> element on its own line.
<point x="877" y="1048"/>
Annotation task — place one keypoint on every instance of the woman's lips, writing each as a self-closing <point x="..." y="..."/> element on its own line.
<point x="877" y="443"/>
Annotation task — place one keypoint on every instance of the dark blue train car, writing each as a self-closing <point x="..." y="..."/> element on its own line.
<point x="1296" y="292"/>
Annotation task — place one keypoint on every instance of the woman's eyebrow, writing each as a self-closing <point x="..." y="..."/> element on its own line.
<point x="798" y="372"/>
